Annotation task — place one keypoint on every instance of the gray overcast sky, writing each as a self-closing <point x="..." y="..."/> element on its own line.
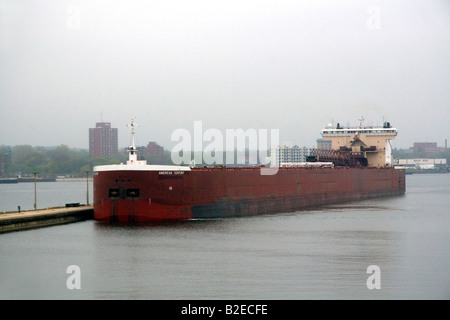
<point x="288" y="65"/>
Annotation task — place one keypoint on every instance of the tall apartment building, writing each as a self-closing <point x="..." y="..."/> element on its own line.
<point x="288" y="154"/>
<point x="103" y="140"/>
<point x="5" y="160"/>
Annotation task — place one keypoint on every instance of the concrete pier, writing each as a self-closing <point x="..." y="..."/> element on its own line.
<point x="15" y="221"/>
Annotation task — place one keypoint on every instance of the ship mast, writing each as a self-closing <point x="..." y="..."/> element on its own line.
<point x="131" y="125"/>
<point x="132" y="150"/>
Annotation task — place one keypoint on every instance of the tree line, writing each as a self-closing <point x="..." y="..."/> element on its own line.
<point x="23" y="160"/>
<point x="410" y="154"/>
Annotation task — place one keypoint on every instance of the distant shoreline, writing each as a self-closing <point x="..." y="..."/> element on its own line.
<point x="16" y="180"/>
<point x="72" y="179"/>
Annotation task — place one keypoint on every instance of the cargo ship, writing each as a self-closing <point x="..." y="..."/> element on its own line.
<point x="356" y="166"/>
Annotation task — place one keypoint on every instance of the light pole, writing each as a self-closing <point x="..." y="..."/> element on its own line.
<point x="35" y="197"/>
<point x="87" y="188"/>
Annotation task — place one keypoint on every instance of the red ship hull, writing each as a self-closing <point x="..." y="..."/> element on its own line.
<point x="152" y="195"/>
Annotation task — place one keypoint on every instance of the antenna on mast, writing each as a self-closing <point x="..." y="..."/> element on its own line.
<point x="132" y="150"/>
<point x="132" y="126"/>
<point x="361" y="123"/>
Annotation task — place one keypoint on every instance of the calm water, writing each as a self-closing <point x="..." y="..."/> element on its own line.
<point x="312" y="254"/>
<point x="48" y="194"/>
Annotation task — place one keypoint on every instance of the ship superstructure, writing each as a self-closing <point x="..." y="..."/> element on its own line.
<point x="370" y="144"/>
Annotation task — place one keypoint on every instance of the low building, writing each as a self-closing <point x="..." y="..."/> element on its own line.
<point x="154" y="149"/>
<point x="426" y="147"/>
<point x="422" y="163"/>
